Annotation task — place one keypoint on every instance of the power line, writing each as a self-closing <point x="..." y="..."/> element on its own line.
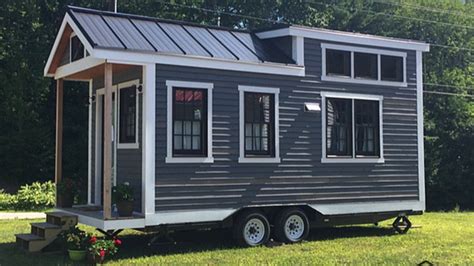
<point x="449" y="94"/>
<point x="448" y="86"/>
<point x="432" y="9"/>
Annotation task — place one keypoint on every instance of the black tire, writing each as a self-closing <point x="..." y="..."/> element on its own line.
<point x="258" y="222"/>
<point x="281" y="224"/>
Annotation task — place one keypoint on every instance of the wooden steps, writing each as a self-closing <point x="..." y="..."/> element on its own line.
<point x="43" y="234"/>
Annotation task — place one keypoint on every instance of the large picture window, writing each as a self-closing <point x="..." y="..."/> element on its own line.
<point x="352" y="128"/>
<point x="259" y="124"/>
<point x="189" y="122"/>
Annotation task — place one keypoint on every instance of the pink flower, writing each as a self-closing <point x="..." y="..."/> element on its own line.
<point x="117" y="242"/>
<point x="93" y="240"/>
<point x="102" y="253"/>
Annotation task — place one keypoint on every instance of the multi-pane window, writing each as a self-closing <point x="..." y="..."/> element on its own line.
<point x="392" y="68"/>
<point x="338" y="63"/>
<point x="259" y="124"/>
<point x="189" y="122"/>
<point x="77" y="49"/>
<point x="365" y="66"/>
<point x="128" y="115"/>
<point x="352" y="128"/>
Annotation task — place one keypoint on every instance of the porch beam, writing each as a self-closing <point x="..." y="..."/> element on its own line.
<point x="59" y="134"/>
<point x="107" y="189"/>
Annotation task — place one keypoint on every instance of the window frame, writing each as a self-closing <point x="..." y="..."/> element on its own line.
<point x="259" y="159"/>
<point x="73" y="34"/>
<point x="124" y="85"/>
<point x="170" y="157"/>
<point x="352" y="78"/>
<point x="353" y="158"/>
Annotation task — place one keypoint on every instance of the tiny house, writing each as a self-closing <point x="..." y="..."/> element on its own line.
<point x="268" y="131"/>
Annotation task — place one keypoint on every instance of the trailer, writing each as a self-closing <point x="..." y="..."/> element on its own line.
<point x="269" y="132"/>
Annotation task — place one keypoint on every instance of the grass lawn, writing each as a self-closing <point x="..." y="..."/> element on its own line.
<point x="444" y="238"/>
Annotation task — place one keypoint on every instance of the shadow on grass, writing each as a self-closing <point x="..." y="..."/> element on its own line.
<point x="184" y="242"/>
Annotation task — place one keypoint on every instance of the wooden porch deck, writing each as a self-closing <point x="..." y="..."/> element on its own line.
<point x="97" y="212"/>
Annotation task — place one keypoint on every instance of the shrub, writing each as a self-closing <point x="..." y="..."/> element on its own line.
<point x="37" y="196"/>
<point x="6" y="200"/>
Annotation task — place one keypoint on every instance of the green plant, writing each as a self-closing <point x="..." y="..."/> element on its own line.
<point x="68" y="186"/>
<point x="102" y="248"/>
<point x="36" y="196"/>
<point x="6" y="200"/>
<point x="75" y="239"/>
<point x="122" y="192"/>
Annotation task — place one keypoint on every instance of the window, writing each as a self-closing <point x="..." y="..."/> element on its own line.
<point x="77" y="49"/>
<point x="128" y="115"/>
<point x="363" y="65"/>
<point x="351" y="128"/>
<point x="338" y="63"/>
<point x="189" y="122"/>
<point x="392" y="68"/>
<point x="259" y="124"/>
<point x="258" y="128"/>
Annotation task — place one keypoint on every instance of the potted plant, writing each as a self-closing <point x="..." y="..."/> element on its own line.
<point x="77" y="242"/>
<point x="67" y="190"/>
<point x="100" y="249"/>
<point x="123" y="197"/>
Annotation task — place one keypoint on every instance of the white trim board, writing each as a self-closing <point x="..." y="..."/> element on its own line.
<point x="170" y="84"/>
<point x="89" y="146"/>
<point x="352" y="78"/>
<point x="275" y="92"/>
<point x="420" y="134"/>
<point x="123" y="85"/>
<point x="353" y="158"/>
<point x="345" y="37"/>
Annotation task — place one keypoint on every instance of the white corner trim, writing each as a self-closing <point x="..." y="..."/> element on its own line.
<point x="352" y="78"/>
<point x="89" y="147"/>
<point x="170" y="84"/>
<point x="297" y="49"/>
<point x="353" y="159"/>
<point x="345" y="37"/>
<point x="136" y="144"/>
<point x="199" y="61"/>
<point x="275" y="92"/>
<point x="420" y="133"/>
<point x="148" y="139"/>
<point x="77" y="66"/>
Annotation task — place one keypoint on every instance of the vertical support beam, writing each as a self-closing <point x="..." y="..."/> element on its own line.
<point x="148" y="139"/>
<point x="89" y="147"/>
<point x="59" y="133"/>
<point x="107" y="189"/>
<point x="420" y="134"/>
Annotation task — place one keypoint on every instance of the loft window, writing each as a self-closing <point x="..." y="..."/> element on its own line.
<point x="338" y="63"/>
<point x="365" y="66"/>
<point x="189" y="122"/>
<point x="392" y="68"/>
<point x="77" y="49"/>
<point x="352" y="128"/>
<point x="259" y="124"/>
<point x="128" y="115"/>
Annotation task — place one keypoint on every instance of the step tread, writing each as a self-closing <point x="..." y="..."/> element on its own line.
<point x="29" y="237"/>
<point x="60" y="214"/>
<point x="45" y="225"/>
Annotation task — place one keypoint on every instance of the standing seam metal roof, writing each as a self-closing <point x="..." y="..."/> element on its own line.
<point x="136" y="33"/>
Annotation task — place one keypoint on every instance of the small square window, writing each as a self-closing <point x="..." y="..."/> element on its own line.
<point x="338" y="63"/>
<point x="392" y="68"/>
<point x="365" y="66"/>
<point x="77" y="49"/>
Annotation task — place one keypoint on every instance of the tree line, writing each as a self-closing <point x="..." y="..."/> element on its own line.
<point x="27" y="99"/>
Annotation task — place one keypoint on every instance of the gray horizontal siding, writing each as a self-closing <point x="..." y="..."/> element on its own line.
<point x="300" y="177"/>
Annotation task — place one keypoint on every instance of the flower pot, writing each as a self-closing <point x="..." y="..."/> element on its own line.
<point x="77" y="255"/>
<point x="66" y="201"/>
<point x="125" y="208"/>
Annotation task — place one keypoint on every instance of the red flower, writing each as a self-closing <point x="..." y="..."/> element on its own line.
<point x="93" y="240"/>
<point x="117" y="242"/>
<point x="102" y="253"/>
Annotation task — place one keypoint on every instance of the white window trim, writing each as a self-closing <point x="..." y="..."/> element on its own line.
<point x="73" y="34"/>
<point x="276" y="92"/>
<point x="352" y="79"/>
<point x="353" y="159"/>
<point x="170" y="84"/>
<point x="136" y="144"/>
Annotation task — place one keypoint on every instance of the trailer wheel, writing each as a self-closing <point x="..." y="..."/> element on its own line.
<point x="251" y="229"/>
<point x="291" y="225"/>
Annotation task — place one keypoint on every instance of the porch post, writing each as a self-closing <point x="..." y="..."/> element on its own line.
<point x="107" y="202"/>
<point x="59" y="134"/>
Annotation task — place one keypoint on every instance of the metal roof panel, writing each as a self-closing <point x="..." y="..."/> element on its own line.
<point x="183" y="39"/>
<point x="127" y="33"/>
<point x="156" y="36"/>
<point x="234" y="45"/>
<point x="97" y="30"/>
<point x="203" y="36"/>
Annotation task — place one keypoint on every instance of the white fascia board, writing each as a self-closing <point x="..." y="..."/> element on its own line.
<point x="66" y="21"/>
<point x="368" y="207"/>
<point x="198" y="61"/>
<point x="345" y="37"/>
<point x="77" y="66"/>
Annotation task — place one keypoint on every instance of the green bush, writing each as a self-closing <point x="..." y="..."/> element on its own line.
<point x="37" y="196"/>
